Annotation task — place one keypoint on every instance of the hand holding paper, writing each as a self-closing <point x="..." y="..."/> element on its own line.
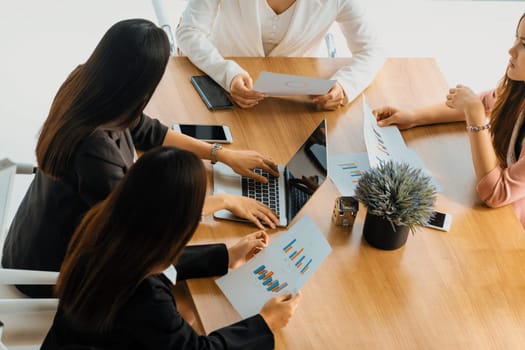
<point x="281" y="268"/>
<point x="334" y="99"/>
<point x="246" y="248"/>
<point x="386" y="143"/>
<point x="275" y="84"/>
<point x="382" y="144"/>
<point x="278" y="310"/>
<point x="241" y="91"/>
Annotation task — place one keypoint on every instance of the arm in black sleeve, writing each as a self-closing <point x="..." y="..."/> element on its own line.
<point x="149" y="320"/>
<point x="198" y="261"/>
<point x="250" y="333"/>
<point x="99" y="166"/>
<point x="148" y="133"/>
<point x="155" y="323"/>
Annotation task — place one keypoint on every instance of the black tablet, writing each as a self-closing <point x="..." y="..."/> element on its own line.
<point x="213" y="95"/>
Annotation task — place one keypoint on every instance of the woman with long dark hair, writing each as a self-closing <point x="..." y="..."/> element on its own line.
<point x="112" y="289"/>
<point x="495" y="125"/>
<point x="88" y="143"/>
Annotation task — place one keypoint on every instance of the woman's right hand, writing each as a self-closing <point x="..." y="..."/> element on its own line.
<point x="244" y="161"/>
<point x="463" y="99"/>
<point x="241" y="91"/>
<point x="278" y="311"/>
<point x="404" y="119"/>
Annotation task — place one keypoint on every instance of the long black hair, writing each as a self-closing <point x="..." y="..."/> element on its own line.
<point x="110" y="89"/>
<point x="142" y="225"/>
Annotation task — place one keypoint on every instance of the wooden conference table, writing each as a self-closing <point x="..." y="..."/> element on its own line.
<point x="463" y="289"/>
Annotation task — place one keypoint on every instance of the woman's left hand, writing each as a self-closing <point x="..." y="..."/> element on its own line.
<point x="249" y="209"/>
<point x="243" y="163"/>
<point x="465" y="100"/>
<point x="332" y="100"/>
<point x="246" y="248"/>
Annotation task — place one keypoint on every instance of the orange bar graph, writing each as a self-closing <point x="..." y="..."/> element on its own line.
<point x="296" y="254"/>
<point x="266" y="276"/>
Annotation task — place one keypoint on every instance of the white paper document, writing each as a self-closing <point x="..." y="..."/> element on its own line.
<point x="386" y="143"/>
<point x="284" y="266"/>
<point x="382" y="143"/>
<point x="346" y="169"/>
<point x="275" y="84"/>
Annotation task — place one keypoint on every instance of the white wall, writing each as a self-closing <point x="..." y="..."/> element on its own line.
<point x="469" y="39"/>
<point x="41" y="41"/>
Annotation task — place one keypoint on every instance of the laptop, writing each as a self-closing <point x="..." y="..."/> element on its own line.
<point x="287" y="194"/>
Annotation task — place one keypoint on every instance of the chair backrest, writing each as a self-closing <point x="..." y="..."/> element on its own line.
<point x="7" y="175"/>
<point x="161" y="12"/>
<point x="27" y="320"/>
<point x="330" y="45"/>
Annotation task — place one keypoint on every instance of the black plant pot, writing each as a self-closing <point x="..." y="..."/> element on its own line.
<point x="378" y="233"/>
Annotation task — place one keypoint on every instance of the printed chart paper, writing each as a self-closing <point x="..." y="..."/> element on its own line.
<point x="346" y="169"/>
<point x="382" y="143"/>
<point x="284" y="266"/>
<point x="275" y="84"/>
<point x="386" y="143"/>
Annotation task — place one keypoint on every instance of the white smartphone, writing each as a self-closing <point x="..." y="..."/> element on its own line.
<point x="440" y="221"/>
<point x="208" y="133"/>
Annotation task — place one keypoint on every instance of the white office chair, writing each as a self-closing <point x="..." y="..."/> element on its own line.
<point x="27" y="320"/>
<point x="161" y="12"/>
<point x="330" y="45"/>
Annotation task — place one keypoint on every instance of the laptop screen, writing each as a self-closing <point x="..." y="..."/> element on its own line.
<point x="286" y="194"/>
<point x="306" y="171"/>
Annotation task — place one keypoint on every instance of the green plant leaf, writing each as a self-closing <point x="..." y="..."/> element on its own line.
<point x="397" y="192"/>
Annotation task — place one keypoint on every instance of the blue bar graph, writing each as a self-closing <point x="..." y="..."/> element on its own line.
<point x="297" y="256"/>
<point x="270" y="284"/>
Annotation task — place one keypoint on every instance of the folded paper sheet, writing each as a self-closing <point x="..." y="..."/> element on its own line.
<point x="275" y="84"/>
<point x="382" y="144"/>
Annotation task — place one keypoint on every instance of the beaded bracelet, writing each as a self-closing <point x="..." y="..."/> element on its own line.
<point x="478" y="127"/>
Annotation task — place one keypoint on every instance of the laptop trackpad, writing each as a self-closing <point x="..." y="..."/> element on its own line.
<point x="225" y="180"/>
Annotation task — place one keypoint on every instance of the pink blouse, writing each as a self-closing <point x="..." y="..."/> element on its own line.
<point x="502" y="186"/>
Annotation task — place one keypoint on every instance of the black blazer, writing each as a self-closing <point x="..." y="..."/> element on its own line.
<point x="150" y="320"/>
<point x="52" y="209"/>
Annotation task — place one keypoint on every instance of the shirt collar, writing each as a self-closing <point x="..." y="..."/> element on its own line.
<point x="115" y="135"/>
<point x="171" y="274"/>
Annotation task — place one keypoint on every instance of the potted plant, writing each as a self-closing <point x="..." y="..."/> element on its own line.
<point x="398" y="198"/>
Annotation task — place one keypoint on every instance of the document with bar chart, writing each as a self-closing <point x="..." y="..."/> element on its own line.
<point x="386" y="143"/>
<point x="345" y="170"/>
<point x="382" y="143"/>
<point x="284" y="266"/>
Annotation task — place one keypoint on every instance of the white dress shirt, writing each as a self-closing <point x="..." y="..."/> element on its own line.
<point x="213" y="29"/>
<point x="273" y="26"/>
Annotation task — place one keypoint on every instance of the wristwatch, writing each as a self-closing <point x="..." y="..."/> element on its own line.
<point x="214" y="149"/>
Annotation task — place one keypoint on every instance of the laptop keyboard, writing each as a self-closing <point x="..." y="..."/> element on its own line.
<point x="265" y="193"/>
